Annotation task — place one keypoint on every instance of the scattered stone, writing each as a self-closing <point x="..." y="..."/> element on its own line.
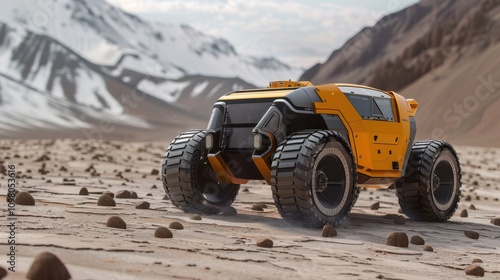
<point x="475" y="270"/>
<point x="398" y="239"/>
<point x="464" y="213"/>
<point x="116" y="222"/>
<point x="123" y="194"/>
<point x="43" y="157"/>
<point x="257" y="207"/>
<point x="265" y="243"/>
<point x="47" y="266"/>
<point x="468" y="198"/>
<point x="63" y="169"/>
<point x="229" y="211"/>
<point x="11" y="195"/>
<point x="3" y="272"/>
<point x="134" y="195"/>
<point x="106" y="200"/>
<point x="195" y="217"/>
<point x="417" y="240"/>
<point x="176" y="225"/>
<point x="495" y="221"/>
<point x="375" y="206"/>
<point x="245" y="190"/>
<point x="163" y="232"/>
<point x="83" y="191"/>
<point x="399" y="220"/>
<point x="108" y="193"/>
<point x="154" y="187"/>
<point x="428" y="248"/>
<point x="24" y="198"/>
<point x="328" y="231"/>
<point x="477" y="261"/>
<point x="400" y="211"/>
<point x="472" y="207"/>
<point x="149" y="194"/>
<point x="155" y="172"/>
<point x="142" y="205"/>
<point x="471" y="234"/>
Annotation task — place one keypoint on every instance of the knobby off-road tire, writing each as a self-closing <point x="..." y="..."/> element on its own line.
<point x="188" y="178"/>
<point x="430" y="190"/>
<point x="313" y="178"/>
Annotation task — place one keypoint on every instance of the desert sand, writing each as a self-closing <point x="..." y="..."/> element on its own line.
<point x="73" y="227"/>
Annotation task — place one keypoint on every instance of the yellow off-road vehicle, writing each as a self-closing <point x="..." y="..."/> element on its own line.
<point x="316" y="146"/>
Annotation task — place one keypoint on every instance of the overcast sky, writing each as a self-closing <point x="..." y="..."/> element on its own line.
<point x="297" y="32"/>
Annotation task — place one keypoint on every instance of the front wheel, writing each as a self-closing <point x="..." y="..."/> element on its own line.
<point x="313" y="178"/>
<point x="188" y="178"/>
<point x="430" y="189"/>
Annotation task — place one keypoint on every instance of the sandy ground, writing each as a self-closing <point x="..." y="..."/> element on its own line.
<point x="224" y="247"/>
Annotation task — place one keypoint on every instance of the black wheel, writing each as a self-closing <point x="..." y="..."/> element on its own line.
<point x="430" y="190"/>
<point x="313" y="178"/>
<point x="188" y="178"/>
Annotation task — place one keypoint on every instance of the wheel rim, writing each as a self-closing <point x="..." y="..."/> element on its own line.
<point x="443" y="184"/>
<point x="212" y="190"/>
<point x="329" y="182"/>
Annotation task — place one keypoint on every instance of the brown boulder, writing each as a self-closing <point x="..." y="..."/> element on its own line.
<point x="123" y="194"/>
<point x="116" y="222"/>
<point x="265" y="243"/>
<point x="47" y="266"/>
<point x="83" y="191"/>
<point x="24" y="198"/>
<point x="106" y="200"/>
<point x="163" y="232"/>
<point x="474" y="270"/>
<point x="417" y="240"/>
<point x="142" y="205"/>
<point x="375" y="206"/>
<point x="471" y="234"/>
<point x="176" y="225"/>
<point x="398" y="239"/>
<point x="328" y="231"/>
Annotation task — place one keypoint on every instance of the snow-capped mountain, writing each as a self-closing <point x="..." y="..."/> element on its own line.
<point x="89" y="53"/>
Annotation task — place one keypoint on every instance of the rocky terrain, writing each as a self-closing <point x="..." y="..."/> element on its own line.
<point x="67" y="179"/>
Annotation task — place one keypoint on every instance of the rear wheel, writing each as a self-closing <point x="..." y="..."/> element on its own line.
<point x="313" y="178"/>
<point x="188" y="178"/>
<point x="430" y="190"/>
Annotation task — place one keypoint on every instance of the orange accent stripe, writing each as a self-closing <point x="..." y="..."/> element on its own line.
<point x="222" y="172"/>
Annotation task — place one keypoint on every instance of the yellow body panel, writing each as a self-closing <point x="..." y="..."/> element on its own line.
<point x="256" y="94"/>
<point x="376" y="144"/>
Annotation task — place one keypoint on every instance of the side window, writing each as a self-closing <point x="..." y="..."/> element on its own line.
<point x="371" y="107"/>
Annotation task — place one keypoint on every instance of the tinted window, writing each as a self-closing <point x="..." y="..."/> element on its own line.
<point x="370" y="104"/>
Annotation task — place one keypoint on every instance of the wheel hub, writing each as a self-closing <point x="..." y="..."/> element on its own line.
<point x="321" y="181"/>
<point x="435" y="182"/>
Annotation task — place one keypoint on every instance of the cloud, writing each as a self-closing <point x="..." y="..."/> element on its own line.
<point x="298" y="32"/>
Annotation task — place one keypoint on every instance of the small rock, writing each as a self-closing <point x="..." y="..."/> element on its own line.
<point x="265" y="243"/>
<point x="428" y="248"/>
<point x="24" y="198"/>
<point x="195" y="217"/>
<point x="149" y="194"/>
<point x="417" y="240"/>
<point x="133" y="195"/>
<point x="163" y="232"/>
<point x="328" y="231"/>
<point x="477" y="261"/>
<point x="155" y="172"/>
<point x="142" y="205"/>
<point x="399" y="220"/>
<point x="471" y="234"/>
<point x="47" y="266"/>
<point x="108" y="193"/>
<point x="154" y="187"/>
<point x="176" y="225"/>
<point x="398" y="239"/>
<point x="106" y="200"/>
<point x="245" y="190"/>
<point x="123" y="194"/>
<point x="3" y="272"/>
<point x="472" y="207"/>
<point x="257" y="207"/>
<point x="11" y="196"/>
<point x="116" y="222"/>
<point x="474" y="270"/>
<point x="464" y="213"/>
<point x="63" y="169"/>
<point x="229" y="211"/>
<point x="495" y="221"/>
<point x="468" y="198"/>
<point x="83" y="191"/>
<point x="400" y="211"/>
<point x="375" y="206"/>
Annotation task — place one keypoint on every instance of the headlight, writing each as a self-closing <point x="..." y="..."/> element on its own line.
<point x="257" y="141"/>
<point x="209" y="141"/>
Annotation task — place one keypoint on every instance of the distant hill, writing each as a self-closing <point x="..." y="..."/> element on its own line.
<point x="445" y="54"/>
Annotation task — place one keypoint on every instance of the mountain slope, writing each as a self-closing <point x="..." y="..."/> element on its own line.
<point x="438" y="52"/>
<point x="108" y="65"/>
